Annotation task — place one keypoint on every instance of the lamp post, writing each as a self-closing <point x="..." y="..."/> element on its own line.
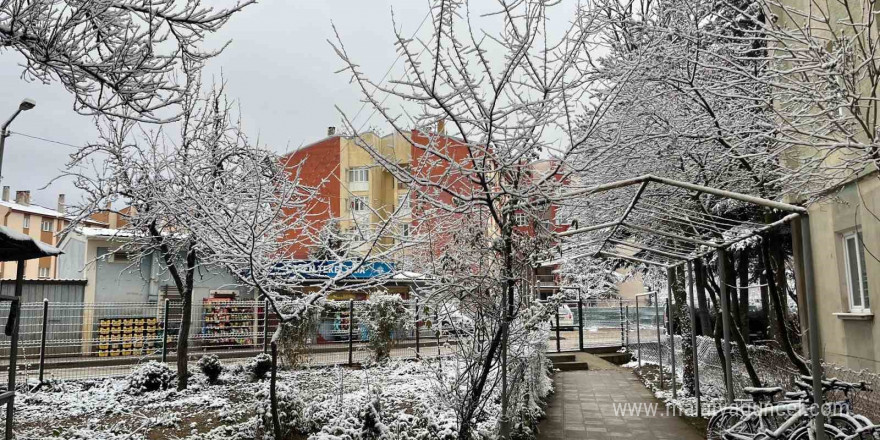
<point x="26" y="104"/>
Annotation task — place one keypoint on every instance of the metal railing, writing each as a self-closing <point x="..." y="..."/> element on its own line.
<point x="583" y="324"/>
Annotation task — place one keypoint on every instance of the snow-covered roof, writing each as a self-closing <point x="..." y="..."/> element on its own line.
<point x="106" y="232"/>
<point x="42" y="211"/>
<point x="16" y="246"/>
<point x="408" y="276"/>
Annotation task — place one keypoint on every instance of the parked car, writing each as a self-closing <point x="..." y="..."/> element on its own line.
<point x="566" y="317"/>
<point x="456" y="323"/>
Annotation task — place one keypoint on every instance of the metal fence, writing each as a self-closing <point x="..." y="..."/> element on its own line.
<point x="595" y="323"/>
<point x="772" y="367"/>
<point x="81" y="341"/>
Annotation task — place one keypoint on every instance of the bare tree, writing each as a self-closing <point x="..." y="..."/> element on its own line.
<point x="118" y="57"/>
<point x="489" y="105"/>
<point x="210" y="201"/>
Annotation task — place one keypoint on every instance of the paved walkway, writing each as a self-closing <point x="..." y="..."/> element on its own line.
<point x="584" y="408"/>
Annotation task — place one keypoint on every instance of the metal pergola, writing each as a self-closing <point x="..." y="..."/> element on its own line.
<point x="19" y="248"/>
<point x="665" y="224"/>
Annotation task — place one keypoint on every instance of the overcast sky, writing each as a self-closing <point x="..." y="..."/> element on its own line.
<point x="278" y="66"/>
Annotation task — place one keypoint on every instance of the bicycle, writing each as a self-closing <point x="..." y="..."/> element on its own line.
<point x="759" y="421"/>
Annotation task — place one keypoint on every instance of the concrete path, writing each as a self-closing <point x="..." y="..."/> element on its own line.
<point x="584" y="408"/>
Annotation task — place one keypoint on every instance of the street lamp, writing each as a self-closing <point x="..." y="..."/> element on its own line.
<point x="26" y="104"/>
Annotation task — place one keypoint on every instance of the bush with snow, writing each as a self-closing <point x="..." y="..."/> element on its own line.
<point x="148" y="377"/>
<point x="211" y="367"/>
<point x="386" y="314"/>
<point x="290" y="412"/>
<point x="259" y="366"/>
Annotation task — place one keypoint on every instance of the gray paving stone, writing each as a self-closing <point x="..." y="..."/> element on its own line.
<point x="584" y="408"/>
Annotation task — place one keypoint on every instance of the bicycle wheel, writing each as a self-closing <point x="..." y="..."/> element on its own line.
<point x="723" y="420"/>
<point x="805" y="433"/>
<point x="845" y="424"/>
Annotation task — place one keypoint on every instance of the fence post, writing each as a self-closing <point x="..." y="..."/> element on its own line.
<point x="165" y="331"/>
<point x="273" y="397"/>
<point x="437" y="332"/>
<point x="418" y="345"/>
<point x="626" y="330"/>
<point x="350" y="332"/>
<point x="265" y="326"/>
<point x="622" y="323"/>
<point x="43" y="338"/>
<point x="638" y="333"/>
<point x="558" y="348"/>
<point x="580" y="323"/>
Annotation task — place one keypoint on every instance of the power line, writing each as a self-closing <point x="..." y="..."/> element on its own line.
<point x="44" y="139"/>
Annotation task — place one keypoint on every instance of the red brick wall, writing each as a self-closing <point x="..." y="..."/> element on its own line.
<point x="317" y="162"/>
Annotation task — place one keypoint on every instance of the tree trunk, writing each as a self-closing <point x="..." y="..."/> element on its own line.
<point x="684" y="326"/>
<point x="184" y="286"/>
<point x="185" y="320"/>
<point x="777" y="308"/>
<point x="700" y="281"/>
<point x="743" y="275"/>
<point x="716" y="332"/>
<point x="734" y="333"/>
<point x="766" y="314"/>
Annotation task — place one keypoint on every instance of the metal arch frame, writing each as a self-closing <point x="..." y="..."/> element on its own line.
<point x="799" y="218"/>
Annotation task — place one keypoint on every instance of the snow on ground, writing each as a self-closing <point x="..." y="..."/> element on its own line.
<point x="324" y="403"/>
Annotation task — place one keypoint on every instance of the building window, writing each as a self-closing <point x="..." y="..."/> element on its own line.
<point x="358" y="204"/>
<point x="358" y="179"/>
<point x="403" y="203"/>
<point x="26" y="223"/>
<point x="46" y="225"/>
<point x="856" y="274"/>
<point x="405" y="230"/>
<point x="519" y="219"/>
<point x="43" y="273"/>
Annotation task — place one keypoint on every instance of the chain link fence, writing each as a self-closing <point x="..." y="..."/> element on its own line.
<point x="772" y="367"/>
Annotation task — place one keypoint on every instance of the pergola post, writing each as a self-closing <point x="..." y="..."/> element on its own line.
<point x="806" y="265"/>
<point x="800" y="284"/>
<point x="671" y="336"/>
<point x="725" y="322"/>
<point x="659" y="341"/>
<point x="693" y="313"/>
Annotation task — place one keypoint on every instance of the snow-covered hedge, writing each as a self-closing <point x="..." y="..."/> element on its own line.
<point x="151" y="376"/>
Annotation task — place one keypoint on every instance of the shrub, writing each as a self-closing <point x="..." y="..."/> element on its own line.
<point x="290" y="412"/>
<point x="259" y="366"/>
<point x="211" y="367"/>
<point x="148" y="377"/>
<point x="386" y="314"/>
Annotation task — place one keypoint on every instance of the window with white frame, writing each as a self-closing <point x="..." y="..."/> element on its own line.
<point x="43" y="273"/>
<point x="403" y="203"/>
<point x="357" y="204"/>
<point x="46" y="225"/>
<point x="359" y="179"/>
<point x="404" y="230"/>
<point x="856" y="274"/>
<point x="519" y="218"/>
<point x="26" y="223"/>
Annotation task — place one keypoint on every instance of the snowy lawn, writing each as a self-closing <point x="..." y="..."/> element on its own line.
<point x="397" y="400"/>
